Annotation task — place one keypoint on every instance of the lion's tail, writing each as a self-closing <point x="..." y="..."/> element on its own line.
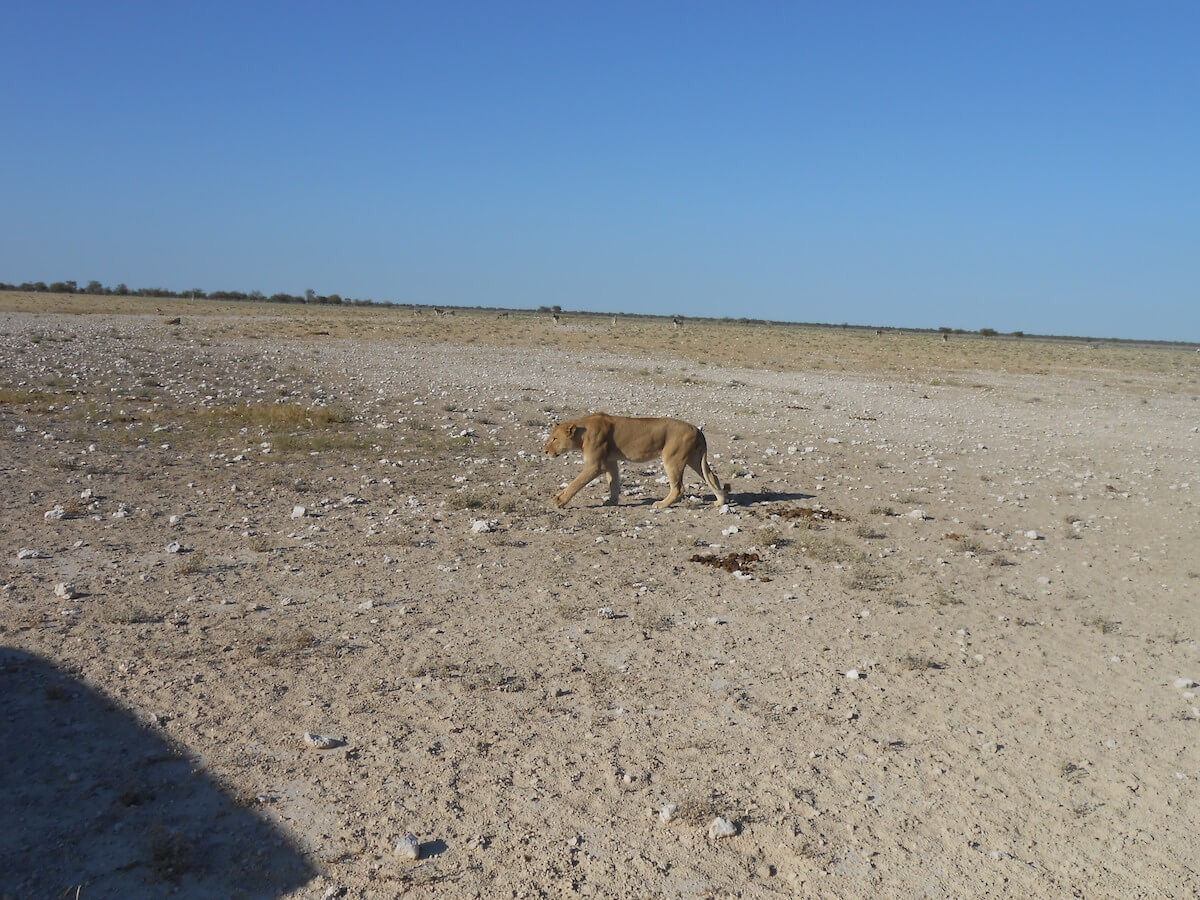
<point x="709" y="475"/>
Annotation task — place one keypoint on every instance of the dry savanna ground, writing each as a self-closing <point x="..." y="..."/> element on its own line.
<point x="942" y="642"/>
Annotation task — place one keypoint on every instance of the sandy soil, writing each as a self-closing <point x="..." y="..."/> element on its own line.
<point x="222" y="534"/>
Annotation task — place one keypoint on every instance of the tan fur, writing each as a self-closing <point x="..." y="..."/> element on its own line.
<point x="606" y="440"/>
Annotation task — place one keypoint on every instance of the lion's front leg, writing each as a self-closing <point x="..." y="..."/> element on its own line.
<point x="591" y="471"/>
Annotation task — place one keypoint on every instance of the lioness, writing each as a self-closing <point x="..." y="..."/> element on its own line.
<point x="606" y="440"/>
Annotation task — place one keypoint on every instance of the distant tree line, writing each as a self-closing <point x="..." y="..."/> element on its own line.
<point x="122" y="290"/>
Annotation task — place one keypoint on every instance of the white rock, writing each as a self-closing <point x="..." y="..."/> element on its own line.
<point x="732" y="529"/>
<point x="479" y="526"/>
<point x="721" y="827"/>
<point x="299" y="512"/>
<point x="853" y="675"/>
<point x="321" y="741"/>
<point x="26" y="553"/>
<point x="65" y="590"/>
<point x="408" y="847"/>
<point x="916" y="514"/>
<point x="174" y="547"/>
<point x="606" y="612"/>
<point x="1032" y="535"/>
<point x="1184" y="683"/>
<point x="52" y="514"/>
<point x="174" y="520"/>
<point x="668" y="811"/>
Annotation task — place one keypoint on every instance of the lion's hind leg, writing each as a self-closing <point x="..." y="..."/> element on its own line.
<point x="612" y="472"/>
<point x="675" y="476"/>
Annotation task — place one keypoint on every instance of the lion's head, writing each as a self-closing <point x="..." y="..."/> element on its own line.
<point x="562" y="439"/>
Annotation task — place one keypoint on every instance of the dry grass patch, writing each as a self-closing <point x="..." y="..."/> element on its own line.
<point x="697" y="809"/>
<point x="194" y="563"/>
<point x="916" y="662"/>
<point x="37" y="400"/>
<point x="865" y="578"/>
<point x="1102" y="624"/>
<point x="945" y="598"/>
<point x="831" y="550"/>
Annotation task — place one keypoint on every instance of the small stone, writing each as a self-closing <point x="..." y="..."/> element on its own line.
<point x="321" y="741"/>
<point x="721" y="828"/>
<point x="26" y="553"/>
<point x="299" y="512"/>
<point x="853" y="675"/>
<point x="916" y="514"/>
<point x="174" y="520"/>
<point x="408" y="847"/>
<point x="606" y="612"/>
<point x="480" y="526"/>
<point x="174" y="547"/>
<point x="65" y="590"/>
<point x="54" y="514"/>
<point x="668" y="811"/>
<point x="1184" y="683"/>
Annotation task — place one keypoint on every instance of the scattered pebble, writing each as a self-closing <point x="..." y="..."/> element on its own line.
<point x="54" y="514"/>
<point x="174" y="547"/>
<point x="720" y="828"/>
<point x="65" y="590"/>
<point x="480" y="526"/>
<point x="321" y="741"/>
<point x="1184" y="683"/>
<point x="299" y="512"/>
<point x="25" y="553"/>
<point x="668" y="811"/>
<point x="408" y="847"/>
<point x="853" y="675"/>
<point x="606" y="612"/>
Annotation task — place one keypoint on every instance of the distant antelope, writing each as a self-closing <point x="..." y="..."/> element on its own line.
<point x="677" y="322"/>
<point x="945" y="337"/>
<point x="438" y="312"/>
<point x="502" y="315"/>
<point x="614" y="321"/>
<point x="556" y="318"/>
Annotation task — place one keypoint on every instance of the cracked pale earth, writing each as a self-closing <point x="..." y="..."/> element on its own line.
<point x="264" y="520"/>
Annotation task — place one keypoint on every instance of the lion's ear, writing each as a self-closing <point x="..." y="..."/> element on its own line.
<point x="571" y="430"/>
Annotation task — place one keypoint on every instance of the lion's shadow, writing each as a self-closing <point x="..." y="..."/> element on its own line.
<point x="735" y="498"/>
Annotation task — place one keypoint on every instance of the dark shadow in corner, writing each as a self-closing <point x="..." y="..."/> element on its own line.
<point x="99" y="805"/>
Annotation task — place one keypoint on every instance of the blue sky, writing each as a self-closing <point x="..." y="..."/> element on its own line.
<point x="1013" y="165"/>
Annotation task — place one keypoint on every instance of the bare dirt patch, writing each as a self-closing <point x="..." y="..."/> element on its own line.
<point x="259" y="523"/>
